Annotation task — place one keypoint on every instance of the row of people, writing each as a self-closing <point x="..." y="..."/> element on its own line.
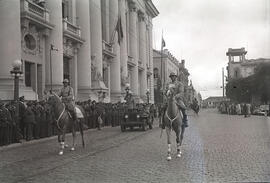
<point x="235" y="109"/>
<point x="35" y="119"/>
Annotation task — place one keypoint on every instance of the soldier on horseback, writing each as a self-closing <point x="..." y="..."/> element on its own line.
<point x="179" y="98"/>
<point x="67" y="95"/>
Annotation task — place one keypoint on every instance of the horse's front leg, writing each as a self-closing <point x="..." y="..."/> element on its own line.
<point x="178" y="139"/>
<point x="74" y="136"/>
<point x="168" y="132"/>
<point x="62" y="144"/>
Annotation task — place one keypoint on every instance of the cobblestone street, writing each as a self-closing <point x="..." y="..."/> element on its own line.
<point x="216" y="148"/>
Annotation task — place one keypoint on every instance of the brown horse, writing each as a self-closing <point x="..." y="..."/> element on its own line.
<point x="173" y="121"/>
<point x="64" y="121"/>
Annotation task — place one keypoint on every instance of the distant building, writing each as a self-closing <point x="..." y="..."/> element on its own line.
<point x="213" y="102"/>
<point x="239" y="66"/>
<point x="162" y="69"/>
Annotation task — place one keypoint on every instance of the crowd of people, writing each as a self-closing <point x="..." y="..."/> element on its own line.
<point x="35" y="119"/>
<point x="235" y="109"/>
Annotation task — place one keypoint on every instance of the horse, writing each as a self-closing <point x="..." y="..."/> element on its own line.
<point x="173" y="121"/>
<point x="63" y="121"/>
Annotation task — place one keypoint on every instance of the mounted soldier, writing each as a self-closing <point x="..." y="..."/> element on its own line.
<point x="67" y="95"/>
<point x="179" y="97"/>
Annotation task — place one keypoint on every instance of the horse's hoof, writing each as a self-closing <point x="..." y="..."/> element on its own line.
<point x="72" y="149"/>
<point x="178" y="155"/>
<point x="61" y="153"/>
<point x="169" y="158"/>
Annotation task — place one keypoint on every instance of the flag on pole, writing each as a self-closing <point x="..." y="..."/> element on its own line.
<point x="163" y="44"/>
<point x="119" y="30"/>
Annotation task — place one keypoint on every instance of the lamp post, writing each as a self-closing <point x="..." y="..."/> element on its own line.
<point x="52" y="48"/>
<point x="16" y="73"/>
<point x="127" y="89"/>
<point x="147" y="94"/>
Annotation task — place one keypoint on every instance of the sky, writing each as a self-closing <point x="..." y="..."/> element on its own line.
<point x="201" y="31"/>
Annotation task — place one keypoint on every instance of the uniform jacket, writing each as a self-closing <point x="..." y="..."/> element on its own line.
<point x="178" y="90"/>
<point x="67" y="95"/>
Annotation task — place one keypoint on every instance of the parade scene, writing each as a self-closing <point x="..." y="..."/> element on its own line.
<point x="112" y="91"/>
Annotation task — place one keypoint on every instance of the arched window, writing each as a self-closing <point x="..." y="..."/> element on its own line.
<point x="156" y="74"/>
<point x="236" y="73"/>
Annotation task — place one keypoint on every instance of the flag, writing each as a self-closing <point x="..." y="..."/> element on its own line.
<point x="163" y="44"/>
<point x="119" y="30"/>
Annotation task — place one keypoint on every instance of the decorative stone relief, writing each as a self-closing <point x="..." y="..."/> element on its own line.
<point x="31" y="43"/>
<point x="124" y="79"/>
<point x="69" y="49"/>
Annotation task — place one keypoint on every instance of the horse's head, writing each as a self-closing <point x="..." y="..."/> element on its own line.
<point x="53" y="99"/>
<point x="171" y="91"/>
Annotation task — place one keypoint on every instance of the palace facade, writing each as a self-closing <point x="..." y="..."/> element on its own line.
<point x="99" y="45"/>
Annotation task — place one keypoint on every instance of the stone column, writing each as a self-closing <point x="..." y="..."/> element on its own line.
<point x="96" y="36"/>
<point x="133" y="47"/>
<point x="105" y="20"/>
<point x="142" y="53"/>
<point x="123" y="45"/>
<point x="10" y="44"/>
<point x="84" y="53"/>
<point x="115" y="65"/>
<point x="74" y="12"/>
<point x="74" y="73"/>
<point x="150" y="33"/>
<point x="56" y="39"/>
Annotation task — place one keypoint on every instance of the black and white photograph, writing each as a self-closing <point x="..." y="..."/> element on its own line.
<point x="134" y="91"/>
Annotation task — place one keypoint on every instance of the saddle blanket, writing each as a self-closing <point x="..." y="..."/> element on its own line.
<point x="78" y="113"/>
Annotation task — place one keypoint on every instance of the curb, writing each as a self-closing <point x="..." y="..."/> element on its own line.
<point x="41" y="140"/>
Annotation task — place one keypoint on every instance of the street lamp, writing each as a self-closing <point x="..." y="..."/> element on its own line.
<point x="16" y="73"/>
<point x="127" y="89"/>
<point x="147" y="94"/>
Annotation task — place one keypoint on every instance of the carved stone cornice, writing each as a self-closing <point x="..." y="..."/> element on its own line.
<point x="132" y="6"/>
<point x="141" y="16"/>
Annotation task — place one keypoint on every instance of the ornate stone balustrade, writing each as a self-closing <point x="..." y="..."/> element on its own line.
<point x="35" y="10"/>
<point x="69" y="27"/>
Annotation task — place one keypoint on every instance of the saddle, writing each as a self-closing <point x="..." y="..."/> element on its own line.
<point x="78" y="113"/>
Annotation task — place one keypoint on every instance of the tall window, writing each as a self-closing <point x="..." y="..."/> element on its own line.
<point x="65" y="10"/>
<point x="27" y="68"/>
<point x="66" y="68"/>
<point x="236" y="73"/>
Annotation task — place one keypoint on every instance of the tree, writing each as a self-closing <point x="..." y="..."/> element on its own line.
<point x="241" y="90"/>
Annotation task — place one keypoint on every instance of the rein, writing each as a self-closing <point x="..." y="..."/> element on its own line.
<point x="171" y="120"/>
<point x="60" y="116"/>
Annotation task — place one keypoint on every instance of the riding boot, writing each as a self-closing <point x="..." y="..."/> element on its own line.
<point x="74" y="116"/>
<point x="185" y="124"/>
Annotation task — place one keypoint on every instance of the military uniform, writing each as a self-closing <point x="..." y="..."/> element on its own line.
<point x="67" y="95"/>
<point x="4" y="124"/>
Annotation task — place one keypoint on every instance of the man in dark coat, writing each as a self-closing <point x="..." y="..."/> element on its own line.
<point x="22" y="108"/>
<point x="29" y="121"/>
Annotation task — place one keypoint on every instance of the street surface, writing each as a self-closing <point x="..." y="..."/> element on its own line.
<point x="216" y="148"/>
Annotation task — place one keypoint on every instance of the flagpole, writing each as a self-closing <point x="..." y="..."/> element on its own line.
<point x="161" y="67"/>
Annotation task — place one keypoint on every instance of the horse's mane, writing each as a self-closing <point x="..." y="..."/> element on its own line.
<point x="55" y="95"/>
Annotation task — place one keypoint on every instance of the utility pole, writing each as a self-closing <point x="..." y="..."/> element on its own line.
<point x="223" y="94"/>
